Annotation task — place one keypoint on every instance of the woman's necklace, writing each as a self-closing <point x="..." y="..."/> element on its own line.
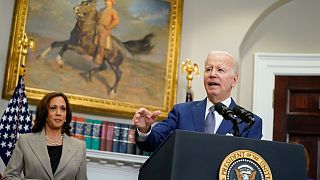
<point x="54" y="142"/>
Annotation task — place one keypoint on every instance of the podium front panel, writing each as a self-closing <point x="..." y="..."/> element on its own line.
<point x="192" y="155"/>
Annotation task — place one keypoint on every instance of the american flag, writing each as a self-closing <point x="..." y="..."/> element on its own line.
<point x="15" y="120"/>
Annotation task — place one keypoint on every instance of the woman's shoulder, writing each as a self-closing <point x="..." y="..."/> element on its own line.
<point x="75" y="141"/>
<point x="27" y="135"/>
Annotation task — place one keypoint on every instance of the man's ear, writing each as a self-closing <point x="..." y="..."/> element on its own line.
<point x="235" y="80"/>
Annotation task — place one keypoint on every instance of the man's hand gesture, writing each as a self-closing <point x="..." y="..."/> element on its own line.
<point x="143" y="119"/>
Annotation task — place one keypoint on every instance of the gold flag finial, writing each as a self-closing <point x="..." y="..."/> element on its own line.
<point x="25" y="43"/>
<point x="189" y="68"/>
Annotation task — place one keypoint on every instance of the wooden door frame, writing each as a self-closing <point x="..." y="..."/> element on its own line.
<point x="266" y="67"/>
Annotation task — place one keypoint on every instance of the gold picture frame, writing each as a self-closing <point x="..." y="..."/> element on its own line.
<point x="160" y="75"/>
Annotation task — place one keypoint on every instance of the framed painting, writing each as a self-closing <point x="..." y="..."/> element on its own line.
<point x="130" y="64"/>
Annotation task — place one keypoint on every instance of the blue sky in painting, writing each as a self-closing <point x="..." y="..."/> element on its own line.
<point x="153" y="12"/>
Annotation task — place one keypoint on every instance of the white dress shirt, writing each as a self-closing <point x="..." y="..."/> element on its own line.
<point x="217" y="116"/>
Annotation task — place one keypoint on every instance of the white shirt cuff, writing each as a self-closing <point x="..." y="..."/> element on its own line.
<point x="143" y="136"/>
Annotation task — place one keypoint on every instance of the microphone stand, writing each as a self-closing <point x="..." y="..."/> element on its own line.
<point x="235" y="127"/>
<point x="228" y="114"/>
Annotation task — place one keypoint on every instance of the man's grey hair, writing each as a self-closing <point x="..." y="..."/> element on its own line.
<point x="235" y="64"/>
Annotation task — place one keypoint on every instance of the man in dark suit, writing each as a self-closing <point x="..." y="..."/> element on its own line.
<point x="220" y="76"/>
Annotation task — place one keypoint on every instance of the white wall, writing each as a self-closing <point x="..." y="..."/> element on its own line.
<point x="291" y="28"/>
<point x="214" y="25"/>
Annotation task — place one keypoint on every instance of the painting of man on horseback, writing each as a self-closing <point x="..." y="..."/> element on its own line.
<point x="92" y="35"/>
<point x="117" y="58"/>
<point x="108" y="19"/>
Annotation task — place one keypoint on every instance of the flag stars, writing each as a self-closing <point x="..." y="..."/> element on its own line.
<point x="8" y="153"/>
<point x="10" y="144"/>
<point x="12" y="110"/>
<point x="21" y="118"/>
<point x="26" y="127"/>
<point x="4" y="118"/>
<point x="28" y="118"/>
<point x="8" y="127"/>
<point x="10" y="118"/>
<point x="25" y="100"/>
<point x="14" y="121"/>
<point x="5" y="136"/>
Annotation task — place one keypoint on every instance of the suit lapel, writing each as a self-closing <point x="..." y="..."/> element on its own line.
<point x="68" y="151"/>
<point x="198" y="113"/>
<point x="232" y="104"/>
<point x="38" y="145"/>
<point x="225" y="127"/>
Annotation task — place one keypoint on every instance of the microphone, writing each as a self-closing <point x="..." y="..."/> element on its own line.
<point x="224" y="111"/>
<point x="244" y="114"/>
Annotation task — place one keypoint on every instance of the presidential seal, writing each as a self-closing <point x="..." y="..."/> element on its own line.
<point x="244" y="165"/>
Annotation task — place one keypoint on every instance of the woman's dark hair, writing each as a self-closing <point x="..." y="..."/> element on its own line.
<point x="42" y="113"/>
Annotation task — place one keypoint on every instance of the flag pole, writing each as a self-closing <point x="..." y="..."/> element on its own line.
<point x="189" y="68"/>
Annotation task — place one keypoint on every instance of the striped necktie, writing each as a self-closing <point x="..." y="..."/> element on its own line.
<point x="210" y="121"/>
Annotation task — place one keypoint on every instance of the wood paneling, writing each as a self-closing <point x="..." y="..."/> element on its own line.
<point x="297" y="114"/>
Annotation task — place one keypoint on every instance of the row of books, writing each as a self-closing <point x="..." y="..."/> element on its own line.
<point x="106" y="136"/>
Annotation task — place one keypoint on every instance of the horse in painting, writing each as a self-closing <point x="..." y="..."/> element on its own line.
<point x="82" y="38"/>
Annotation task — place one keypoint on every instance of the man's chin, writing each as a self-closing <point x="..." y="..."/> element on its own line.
<point x="212" y="96"/>
<point x="212" y="92"/>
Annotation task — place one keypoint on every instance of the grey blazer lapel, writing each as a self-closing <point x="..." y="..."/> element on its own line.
<point x="68" y="150"/>
<point x="38" y="145"/>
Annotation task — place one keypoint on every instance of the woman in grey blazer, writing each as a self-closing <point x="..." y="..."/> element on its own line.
<point x="49" y="152"/>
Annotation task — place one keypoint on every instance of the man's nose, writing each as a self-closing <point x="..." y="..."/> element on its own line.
<point x="213" y="73"/>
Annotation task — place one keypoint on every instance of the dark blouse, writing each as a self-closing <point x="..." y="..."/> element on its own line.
<point x="55" y="155"/>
